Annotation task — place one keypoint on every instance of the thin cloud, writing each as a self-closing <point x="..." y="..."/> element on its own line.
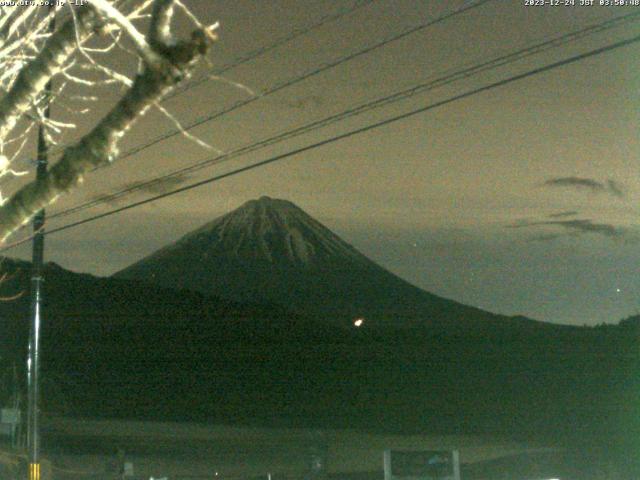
<point x="572" y="227"/>
<point x="587" y="226"/>
<point x="303" y="103"/>
<point x="594" y="186"/>
<point x="107" y="199"/>
<point x="546" y="238"/>
<point x="563" y="214"/>
<point x="158" y="187"/>
<point x="615" y="188"/>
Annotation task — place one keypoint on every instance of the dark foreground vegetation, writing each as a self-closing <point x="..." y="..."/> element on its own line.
<point x="116" y="348"/>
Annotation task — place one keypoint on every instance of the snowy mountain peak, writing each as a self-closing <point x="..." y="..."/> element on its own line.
<point x="270" y="250"/>
<point x="271" y="230"/>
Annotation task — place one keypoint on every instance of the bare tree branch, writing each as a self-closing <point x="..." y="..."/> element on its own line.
<point x="144" y="50"/>
<point x="32" y="79"/>
<point x="175" y="60"/>
<point x="160" y="30"/>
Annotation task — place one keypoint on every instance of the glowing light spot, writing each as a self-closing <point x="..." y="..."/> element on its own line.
<point x="358" y="322"/>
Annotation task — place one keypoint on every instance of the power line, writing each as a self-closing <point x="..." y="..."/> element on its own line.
<point x="464" y="8"/>
<point x="357" y="131"/>
<point x="295" y="80"/>
<point x="305" y="76"/>
<point x="377" y="103"/>
<point x="253" y="54"/>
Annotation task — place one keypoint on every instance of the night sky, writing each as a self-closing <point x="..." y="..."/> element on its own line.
<point x="520" y="200"/>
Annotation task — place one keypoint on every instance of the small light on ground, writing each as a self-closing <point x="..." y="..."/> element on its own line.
<point x="358" y="322"/>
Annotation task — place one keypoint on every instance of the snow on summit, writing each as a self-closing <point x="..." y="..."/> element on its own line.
<point x="270" y="250"/>
<point x="273" y="230"/>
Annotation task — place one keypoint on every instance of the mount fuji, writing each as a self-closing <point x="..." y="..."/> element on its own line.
<point x="270" y="250"/>
<point x="289" y="353"/>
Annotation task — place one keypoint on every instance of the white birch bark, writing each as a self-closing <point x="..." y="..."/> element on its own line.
<point x="167" y="62"/>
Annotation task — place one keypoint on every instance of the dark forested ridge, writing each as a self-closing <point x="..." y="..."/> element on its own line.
<point x="116" y="348"/>
<point x="272" y="251"/>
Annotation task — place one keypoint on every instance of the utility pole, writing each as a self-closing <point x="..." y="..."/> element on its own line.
<point x="33" y="361"/>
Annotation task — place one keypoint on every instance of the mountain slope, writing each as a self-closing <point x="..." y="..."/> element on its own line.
<point x="271" y="250"/>
<point x="122" y="348"/>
